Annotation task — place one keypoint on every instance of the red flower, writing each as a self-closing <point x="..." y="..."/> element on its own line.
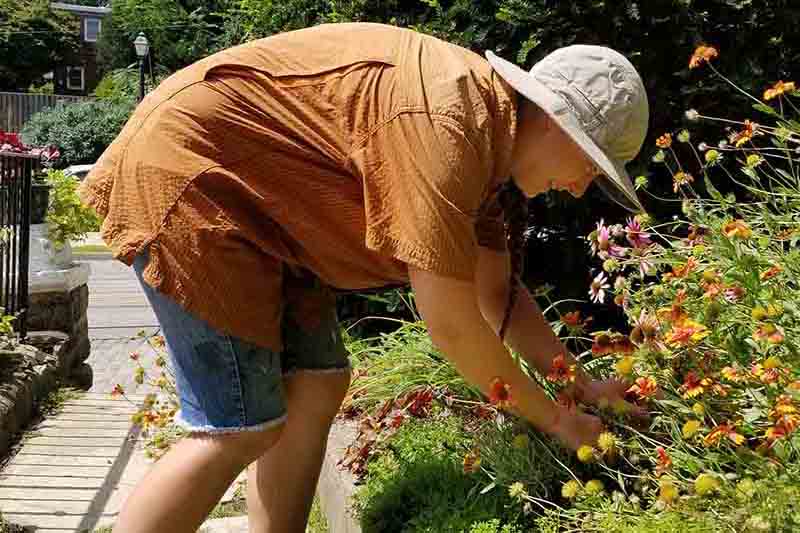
<point x="608" y="343"/>
<point x="644" y="388"/>
<point x="694" y="386"/>
<point x="572" y="319"/>
<point x="560" y="372"/>
<point x="664" y="461"/>
<point x="118" y="390"/>
<point x="418" y="402"/>
<point x="500" y="393"/>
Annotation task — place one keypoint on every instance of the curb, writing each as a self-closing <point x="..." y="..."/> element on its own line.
<point x="336" y="486"/>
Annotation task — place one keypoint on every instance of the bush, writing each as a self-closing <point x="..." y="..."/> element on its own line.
<point x="81" y="131"/>
<point x="67" y="217"/>
<point x="122" y="85"/>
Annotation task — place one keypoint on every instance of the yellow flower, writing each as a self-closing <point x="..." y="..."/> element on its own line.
<point x="586" y="454"/>
<point x="772" y="362"/>
<point x="690" y="428"/>
<point x="698" y="409"/>
<point x="778" y="89"/>
<point x="594" y="486"/>
<point x="758" y="313"/>
<point x="667" y="491"/>
<point x="517" y="490"/>
<point x="705" y="484"/>
<point x="607" y="442"/>
<point x="570" y="489"/>
<point x="521" y="442"/>
<point x="624" y="366"/>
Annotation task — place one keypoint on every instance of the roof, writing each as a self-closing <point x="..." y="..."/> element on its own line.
<point x="81" y="10"/>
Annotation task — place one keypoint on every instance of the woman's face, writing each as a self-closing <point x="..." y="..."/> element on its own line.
<point x="545" y="157"/>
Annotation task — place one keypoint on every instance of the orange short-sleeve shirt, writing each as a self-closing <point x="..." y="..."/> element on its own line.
<point x="348" y="150"/>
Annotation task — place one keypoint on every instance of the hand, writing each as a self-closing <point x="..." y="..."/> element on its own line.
<point x="608" y="393"/>
<point x="574" y="428"/>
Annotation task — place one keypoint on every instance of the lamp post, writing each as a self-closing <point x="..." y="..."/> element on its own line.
<point x="142" y="48"/>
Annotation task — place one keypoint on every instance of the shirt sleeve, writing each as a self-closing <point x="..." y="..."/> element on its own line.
<point x="424" y="181"/>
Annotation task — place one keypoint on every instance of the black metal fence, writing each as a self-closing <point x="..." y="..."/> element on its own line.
<point x="16" y="175"/>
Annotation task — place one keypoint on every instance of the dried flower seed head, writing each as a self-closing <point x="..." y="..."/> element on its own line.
<point x="684" y="136"/>
<point x="585" y="454"/>
<point x="692" y="115"/>
<point x="594" y="487"/>
<point x="665" y="141"/>
<point x="570" y="490"/>
<point x="706" y="484"/>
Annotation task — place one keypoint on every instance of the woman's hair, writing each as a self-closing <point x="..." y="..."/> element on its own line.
<point x="510" y="233"/>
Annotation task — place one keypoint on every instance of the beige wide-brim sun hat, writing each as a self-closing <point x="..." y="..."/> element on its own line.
<point x="596" y="96"/>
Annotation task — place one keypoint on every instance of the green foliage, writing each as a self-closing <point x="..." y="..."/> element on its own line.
<point x="68" y="218"/>
<point x="44" y="88"/>
<point x="494" y="526"/>
<point x="82" y="131"/>
<point x="122" y="85"/>
<point x="418" y="484"/>
<point x="32" y="39"/>
<point x="397" y="363"/>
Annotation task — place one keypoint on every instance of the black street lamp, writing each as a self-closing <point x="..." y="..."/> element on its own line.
<point x="142" y="48"/>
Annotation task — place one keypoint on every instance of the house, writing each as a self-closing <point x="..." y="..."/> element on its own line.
<point x="78" y="74"/>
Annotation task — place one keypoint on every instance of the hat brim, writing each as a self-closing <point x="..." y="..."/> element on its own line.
<point x="615" y="181"/>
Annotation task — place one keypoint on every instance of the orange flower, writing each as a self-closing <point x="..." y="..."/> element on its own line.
<point x="644" y="388"/>
<point x="665" y="141"/>
<point x="664" y="461"/>
<point x="560" y="372"/>
<point x="472" y="462"/>
<point x="737" y="229"/>
<point x="500" y="393"/>
<point x="768" y="374"/>
<point x="572" y="319"/>
<point x="786" y="416"/>
<point x="682" y="271"/>
<point x="778" y="89"/>
<point x="680" y="179"/>
<point x="687" y="332"/>
<point x="607" y="343"/>
<point x="712" y="290"/>
<point x="769" y="332"/>
<point x="694" y="386"/>
<point x="702" y="54"/>
<point x="771" y="272"/>
<point x="746" y="135"/>
<point x="722" y="431"/>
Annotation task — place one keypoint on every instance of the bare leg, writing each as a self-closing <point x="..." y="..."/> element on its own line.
<point x="281" y="483"/>
<point x="186" y="484"/>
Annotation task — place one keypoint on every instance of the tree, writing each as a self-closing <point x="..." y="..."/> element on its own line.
<point x="32" y="39"/>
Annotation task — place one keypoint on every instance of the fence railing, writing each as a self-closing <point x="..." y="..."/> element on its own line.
<point x="17" y="108"/>
<point x="16" y="175"/>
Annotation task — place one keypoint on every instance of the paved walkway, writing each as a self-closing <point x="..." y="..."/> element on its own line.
<point x="74" y="471"/>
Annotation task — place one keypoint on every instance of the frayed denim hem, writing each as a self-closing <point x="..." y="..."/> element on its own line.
<point x="337" y="370"/>
<point x="211" y="431"/>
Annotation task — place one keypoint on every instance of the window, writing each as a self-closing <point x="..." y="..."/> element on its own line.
<point x="75" y="78"/>
<point x="91" y="29"/>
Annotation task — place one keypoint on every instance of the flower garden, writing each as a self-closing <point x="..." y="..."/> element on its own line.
<point x="710" y="351"/>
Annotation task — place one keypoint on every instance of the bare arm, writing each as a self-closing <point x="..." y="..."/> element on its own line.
<point x="528" y="332"/>
<point x="457" y="327"/>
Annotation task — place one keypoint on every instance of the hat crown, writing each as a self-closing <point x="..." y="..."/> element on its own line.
<point x="601" y="88"/>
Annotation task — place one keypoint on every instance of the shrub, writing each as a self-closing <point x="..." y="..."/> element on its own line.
<point x="81" y="131"/>
<point x="67" y="217"/>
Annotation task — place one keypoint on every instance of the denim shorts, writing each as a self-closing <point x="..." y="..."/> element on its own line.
<point x="226" y="384"/>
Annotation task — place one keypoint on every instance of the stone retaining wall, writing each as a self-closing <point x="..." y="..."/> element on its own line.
<point x="28" y="373"/>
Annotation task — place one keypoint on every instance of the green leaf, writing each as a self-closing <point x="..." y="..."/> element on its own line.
<point x="488" y="488"/>
<point x="766" y="109"/>
<point x="715" y="194"/>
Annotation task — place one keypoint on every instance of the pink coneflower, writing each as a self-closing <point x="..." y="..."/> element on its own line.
<point x="733" y="294"/>
<point x="637" y="237"/>
<point x="602" y="239"/>
<point x="597" y="290"/>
